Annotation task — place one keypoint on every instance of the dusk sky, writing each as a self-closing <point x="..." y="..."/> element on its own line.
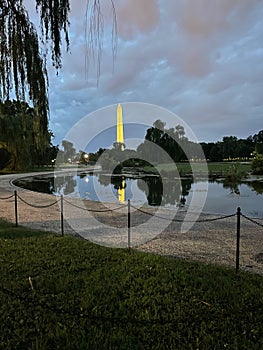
<point x="199" y="59"/>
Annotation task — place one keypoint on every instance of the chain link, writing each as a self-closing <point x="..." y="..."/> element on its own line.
<point x="251" y="220"/>
<point x="181" y="220"/>
<point x="38" y="206"/>
<point x="5" y="198"/>
<point x="93" y="210"/>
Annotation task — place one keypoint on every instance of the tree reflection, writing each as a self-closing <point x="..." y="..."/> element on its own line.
<point x="153" y="188"/>
<point x="186" y="187"/>
<point x="165" y="191"/>
<point x="41" y="183"/>
<point x="118" y="182"/>
<point x="104" y="180"/>
<point x="65" y="184"/>
<point x="232" y="185"/>
<point x="256" y="186"/>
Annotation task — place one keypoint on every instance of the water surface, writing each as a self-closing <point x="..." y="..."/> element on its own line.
<point x="222" y="197"/>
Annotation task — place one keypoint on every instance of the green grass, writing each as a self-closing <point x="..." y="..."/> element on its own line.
<point x="89" y="297"/>
<point x="225" y="167"/>
<point x="213" y="167"/>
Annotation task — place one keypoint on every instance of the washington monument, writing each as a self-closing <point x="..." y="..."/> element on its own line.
<point x="120" y="136"/>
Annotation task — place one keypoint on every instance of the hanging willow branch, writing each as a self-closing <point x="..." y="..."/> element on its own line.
<point x="23" y="57"/>
<point x="94" y="34"/>
<point x="54" y="21"/>
<point x="22" y="64"/>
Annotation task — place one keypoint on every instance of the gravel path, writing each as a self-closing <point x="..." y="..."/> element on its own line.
<point x="213" y="242"/>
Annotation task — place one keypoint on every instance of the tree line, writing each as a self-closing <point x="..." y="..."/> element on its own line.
<point x="163" y="145"/>
<point x="179" y="148"/>
<point x="232" y="148"/>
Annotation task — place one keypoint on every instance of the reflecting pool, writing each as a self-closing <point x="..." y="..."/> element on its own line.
<point x="222" y="197"/>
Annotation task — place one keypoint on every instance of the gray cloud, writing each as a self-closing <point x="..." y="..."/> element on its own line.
<point x="137" y="16"/>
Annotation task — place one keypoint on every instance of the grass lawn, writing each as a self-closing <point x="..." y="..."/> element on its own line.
<point x="67" y="293"/>
<point x="222" y="168"/>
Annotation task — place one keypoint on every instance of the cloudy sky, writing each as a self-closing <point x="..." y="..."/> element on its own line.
<point x="199" y="59"/>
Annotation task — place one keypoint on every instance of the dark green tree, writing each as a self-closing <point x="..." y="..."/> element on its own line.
<point x="257" y="164"/>
<point x="207" y="148"/>
<point x="229" y="147"/>
<point x="215" y="154"/>
<point x="259" y="148"/>
<point x="244" y="148"/>
<point x="258" y="141"/>
<point x="22" y="61"/>
<point x="22" y="134"/>
<point x="258" y="138"/>
<point x="4" y="158"/>
<point x="171" y="143"/>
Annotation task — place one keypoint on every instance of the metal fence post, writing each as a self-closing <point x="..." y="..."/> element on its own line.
<point x="129" y="224"/>
<point x="61" y="215"/>
<point x="238" y="239"/>
<point x="16" y="211"/>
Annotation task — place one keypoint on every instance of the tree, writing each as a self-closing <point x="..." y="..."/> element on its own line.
<point x="229" y="147"/>
<point x="258" y="141"/>
<point x="23" y="59"/>
<point x="244" y="148"/>
<point x="22" y="134"/>
<point x="257" y="164"/>
<point x="215" y="154"/>
<point x="156" y="132"/>
<point x="259" y="148"/>
<point x="171" y="142"/>
<point x="24" y="53"/>
<point x="212" y="151"/>
<point x="69" y="151"/>
<point x="4" y="158"/>
<point x="257" y="138"/>
<point x="180" y="131"/>
<point x="22" y="64"/>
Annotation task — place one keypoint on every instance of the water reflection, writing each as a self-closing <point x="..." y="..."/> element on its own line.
<point x="165" y="191"/>
<point x="152" y="190"/>
<point x="104" y="180"/>
<point x="37" y="183"/>
<point x="65" y="184"/>
<point x="256" y="186"/>
<point x="233" y="186"/>
<point x="119" y="185"/>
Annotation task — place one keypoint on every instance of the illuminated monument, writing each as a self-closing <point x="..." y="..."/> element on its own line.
<point x="120" y="145"/>
<point x="120" y="137"/>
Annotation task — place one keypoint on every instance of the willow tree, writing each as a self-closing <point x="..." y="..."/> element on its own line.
<point x="24" y="51"/>
<point x="22" y="135"/>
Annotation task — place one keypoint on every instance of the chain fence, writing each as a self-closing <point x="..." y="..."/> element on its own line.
<point x="252" y="220"/>
<point x="182" y="220"/>
<point x="127" y="219"/>
<point x="37" y="206"/>
<point x="9" y="197"/>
